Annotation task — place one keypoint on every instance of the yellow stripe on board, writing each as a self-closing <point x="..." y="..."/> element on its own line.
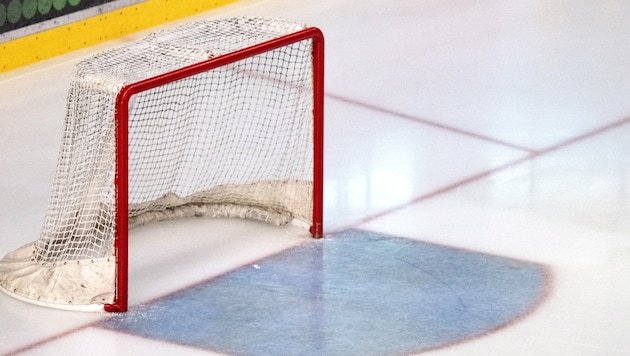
<point x="93" y="30"/>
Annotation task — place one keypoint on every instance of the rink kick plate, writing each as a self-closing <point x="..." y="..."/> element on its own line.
<point x="353" y="293"/>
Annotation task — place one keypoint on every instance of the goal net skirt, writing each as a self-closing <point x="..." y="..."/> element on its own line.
<point x="217" y="118"/>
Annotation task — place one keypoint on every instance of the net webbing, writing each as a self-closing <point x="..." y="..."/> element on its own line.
<point x="233" y="141"/>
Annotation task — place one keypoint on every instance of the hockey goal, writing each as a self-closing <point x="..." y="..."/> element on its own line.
<point x="218" y="118"/>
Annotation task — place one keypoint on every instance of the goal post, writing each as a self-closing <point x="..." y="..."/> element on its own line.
<point x="218" y="118"/>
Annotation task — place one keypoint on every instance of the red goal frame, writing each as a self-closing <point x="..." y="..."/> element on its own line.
<point x="121" y="244"/>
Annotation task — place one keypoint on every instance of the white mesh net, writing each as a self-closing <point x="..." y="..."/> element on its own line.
<point x="232" y="141"/>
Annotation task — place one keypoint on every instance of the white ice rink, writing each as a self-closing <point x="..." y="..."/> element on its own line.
<point x="501" y="127"/>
